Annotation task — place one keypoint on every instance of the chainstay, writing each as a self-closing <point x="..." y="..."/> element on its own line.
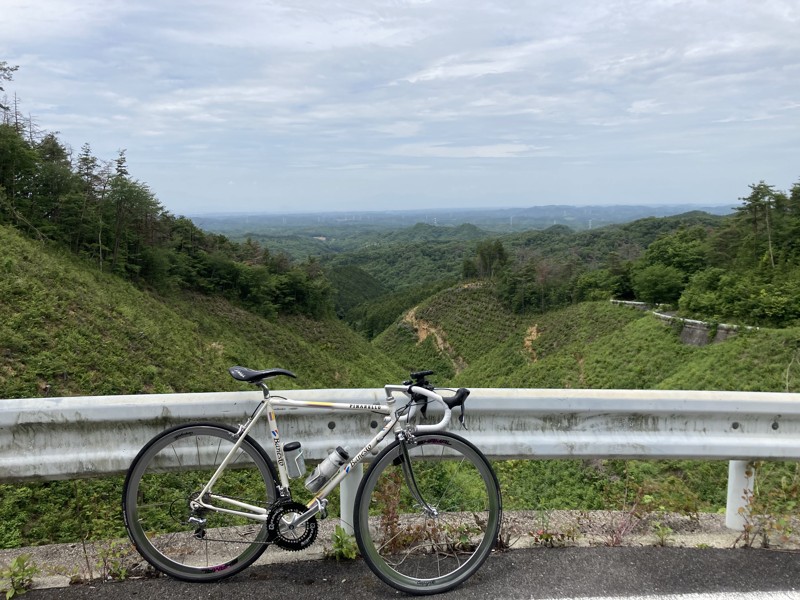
<point x="268" y="542"/>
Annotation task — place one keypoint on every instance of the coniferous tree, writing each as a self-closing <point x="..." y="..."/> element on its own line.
<point x="6" y="74"/>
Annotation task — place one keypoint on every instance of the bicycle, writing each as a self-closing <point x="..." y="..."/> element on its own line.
<point x="203" y="501"/>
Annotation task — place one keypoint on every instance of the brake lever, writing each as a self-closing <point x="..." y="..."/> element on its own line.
<point x="459" y="400"/>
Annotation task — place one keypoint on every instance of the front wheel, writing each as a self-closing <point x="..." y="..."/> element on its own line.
<point x="160" y="510"/>
<point x="431" y="540"/>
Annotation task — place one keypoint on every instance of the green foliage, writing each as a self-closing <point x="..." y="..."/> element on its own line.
<point x="662" y="532"/>
<point x="6" y="74"/>
<point x="115" y="559"/>
<point x="764" y="360"/>
<point x="771" y="508"/>
<point x="589" y="345"/>
<point x="563" y="348"/>
<point x="116" y="224"/>
<point x="549" y="484"/>
<point x="684" y="250"/>
<point x="771" y="299"/>
<point x="491" y="258"/>
<point x="547" y="536"/>
<point x="658" y="284"/>
<point x="344" y="545"/>
<point x="373" y="317"/>
<point x="83" y="509"/>
<point x="71" y="330"/>
<point x="594" y="344"/>
<point x="439" y="334"/>
<point x="607" y="247"/>
<point x="414" y="256"/>
<point x="18" y="576"/>
<point x="354" y="287"/>
<point x="600" y="284"/>
<point x="753" y="273"/>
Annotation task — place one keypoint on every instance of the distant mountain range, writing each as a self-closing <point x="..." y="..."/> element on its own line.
<point x="493" y="219"/>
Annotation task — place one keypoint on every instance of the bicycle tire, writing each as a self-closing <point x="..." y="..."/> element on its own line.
<point x="167" y="472"/>
<point x="414" y="552"/>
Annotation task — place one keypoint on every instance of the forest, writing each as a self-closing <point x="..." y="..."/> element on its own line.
<point x="744" y="268"/>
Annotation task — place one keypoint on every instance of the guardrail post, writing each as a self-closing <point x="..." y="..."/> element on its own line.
<point x="347" y="496"/>
<point x="740" y="490"/>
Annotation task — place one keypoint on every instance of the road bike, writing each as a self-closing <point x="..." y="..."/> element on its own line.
<point x="203" y="501"/>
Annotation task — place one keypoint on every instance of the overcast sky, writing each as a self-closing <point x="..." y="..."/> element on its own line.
<point x="251" y="105"/>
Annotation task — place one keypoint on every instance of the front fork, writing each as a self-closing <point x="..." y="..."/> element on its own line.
<point x="411" y="481"/>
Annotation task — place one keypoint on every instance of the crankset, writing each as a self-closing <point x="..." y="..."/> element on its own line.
<point x="284" y="533"/>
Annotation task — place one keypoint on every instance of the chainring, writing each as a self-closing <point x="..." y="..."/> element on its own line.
<point x="293" y="539"/>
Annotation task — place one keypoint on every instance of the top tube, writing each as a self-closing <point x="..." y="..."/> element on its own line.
<point x="280" y="401"/>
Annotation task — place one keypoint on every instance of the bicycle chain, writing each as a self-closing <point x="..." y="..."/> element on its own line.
<point x="274" y="535"/>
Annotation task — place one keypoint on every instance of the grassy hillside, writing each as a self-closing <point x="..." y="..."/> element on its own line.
<point x="66" y="329"/>
<point x="449" y="331"/>
<point x="469" y="339"/>
<point x="550" y="350"/>
<point x="597" y="345"/>
<point x="762" y="360"/>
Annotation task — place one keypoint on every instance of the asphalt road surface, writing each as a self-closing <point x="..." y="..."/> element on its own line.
<point x="540" y="573"/>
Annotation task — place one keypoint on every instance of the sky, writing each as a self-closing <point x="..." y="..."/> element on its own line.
<point x="326" y="105"/>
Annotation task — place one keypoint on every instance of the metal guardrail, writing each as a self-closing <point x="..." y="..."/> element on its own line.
<point x="61" y="438"/>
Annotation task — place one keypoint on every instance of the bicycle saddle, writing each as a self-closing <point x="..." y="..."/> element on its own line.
<point x="251" y="376"/>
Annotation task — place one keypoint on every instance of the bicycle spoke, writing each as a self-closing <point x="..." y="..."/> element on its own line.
<point x="162" y="482"/>
<point x="407" y="547"/>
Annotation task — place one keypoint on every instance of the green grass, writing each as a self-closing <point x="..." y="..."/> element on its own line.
<point x="463" y="323"/>
<point x="766" y="360"/>
<point x="594" y="345"/>
<point x="67" y="329"/>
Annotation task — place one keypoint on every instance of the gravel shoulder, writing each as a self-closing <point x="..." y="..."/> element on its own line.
<point x="63" y="564"/>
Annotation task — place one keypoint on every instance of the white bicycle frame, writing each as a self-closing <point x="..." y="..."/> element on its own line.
<point x="399" y="424"/>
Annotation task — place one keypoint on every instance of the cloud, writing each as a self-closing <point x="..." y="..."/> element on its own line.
<point x="452" y="151"/>
<point x="48" y="20"/>
<point x="386" y="95"/>
<point x="298" y="27"/>
<point x="486" y="61"/>
<point x="400" y="128"/>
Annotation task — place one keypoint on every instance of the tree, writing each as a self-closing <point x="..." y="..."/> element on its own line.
<point x="53" y="187"/>
<point x="759" y="211"/>
<point x="598" y="284"/>
<point x="684" y="249"/>
<point x="656" y="284"/>
<point x="6" y="74"/>
<point x="18" y="167"/>
<point x="86" y="230"/>
<point x="491" y="258"/>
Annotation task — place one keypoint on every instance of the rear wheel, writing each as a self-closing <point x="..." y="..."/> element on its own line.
<point x="431" y="541"/>
<point x="167" y="477"/>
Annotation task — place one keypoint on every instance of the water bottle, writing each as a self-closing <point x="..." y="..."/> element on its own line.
<point x="326" y="469"/>
<point x="295" y="463"/>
